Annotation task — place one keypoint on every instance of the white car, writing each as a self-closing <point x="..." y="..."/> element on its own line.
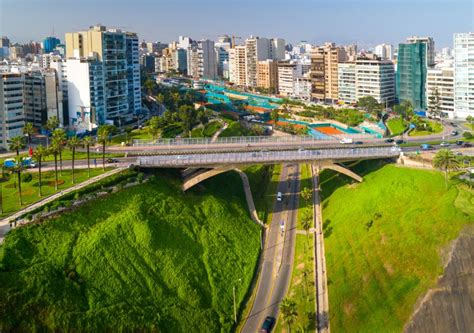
<point x="345" y="141"/>
<point x="279" y="196"/>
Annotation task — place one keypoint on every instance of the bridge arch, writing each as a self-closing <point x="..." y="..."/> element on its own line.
<point x="340" y="169"/>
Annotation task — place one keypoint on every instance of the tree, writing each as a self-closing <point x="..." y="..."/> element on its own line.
<point x="288" y="311"/>
<point x="88" y="141"/>
<point x="17" y="143"/>
<point x="470" y="119"/>
<point x="28" y="130"/>
<point x="434" y="104"/>
<point x="306" y="220"/>
<point x="18" y="168"/>
<point x="60" y="137"/>
<point x="149" y="85"/>
<point x="103" y="134"/>
<point x="51" y="124"/>
<point x="446" y="161"/>
<point x="306" y="194"/>
<point x="274" y="116"/>
<point x="55" y="148"/>
<point x="187" y="114"/>
<point x="369" y="103"/>
<point x="73" y="143"/>
<point x="154" y="125"/>
<point x="39" y="154"/>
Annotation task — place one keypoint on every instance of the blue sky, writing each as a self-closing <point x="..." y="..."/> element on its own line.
<point x="367" y="22"/>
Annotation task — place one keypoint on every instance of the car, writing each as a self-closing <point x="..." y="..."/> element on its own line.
<point x="358" y="143"/>
<point x="459" y="142"/>
<point x="301" y="150"/>
<point x="426" y="146"/>
<point x="389" y="140"/>
<point x="112" y="160"/>
<point x="445" y="144"/>
<point x="268" y="325"/>
<point x="458" y="153"/>
<point x="399" y="142"/>
<point x="454" y="132"/>
<point x="345" y="141"/>
<point x="467" y="144"/>
<point x="279" y="196"/>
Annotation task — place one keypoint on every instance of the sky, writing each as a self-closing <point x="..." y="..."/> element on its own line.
<point x="365" y="22"/>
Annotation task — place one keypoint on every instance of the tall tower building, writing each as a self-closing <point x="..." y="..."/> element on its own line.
<point x="12" y="113"/>
<point x="237" y="65"/>
<point x="430" y="48"/>
<point x="49" y="43"/>
<point x="115" y="54"/>
<point x="256" y="49"/>
<point x="207" y="58"/>
<point x="464" y="74"/>
<point x="384" y="51"/>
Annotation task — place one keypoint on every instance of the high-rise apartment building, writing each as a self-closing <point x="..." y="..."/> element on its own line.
<point x="440" y="87"/>
<point x="324" y="71"/>
<point x="384" y="51"/>
<point x="50" y="43"/>
<point x="375" y="78"/>
<point x="12" y="115"/>
<point x="411" y="74"/>
<point x="237" y="65"/>
<point x="287" y="73"/>
<point x="430" y="48"/>
<point x="256" y="49"/>
<point x="202" y="60"/>
<point x="464" y="75"/>
<point x="115" y="53"/>
<point x="267" y="75"/>
<point x="347" y="82"/>
<point x="277" y="49"/>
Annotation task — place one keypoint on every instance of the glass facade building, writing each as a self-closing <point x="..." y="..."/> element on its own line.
<point x="411" y="74"/>
<point x="49" y="44"/>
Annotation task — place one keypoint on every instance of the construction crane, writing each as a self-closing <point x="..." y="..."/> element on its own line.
<point x="233" y="40"/>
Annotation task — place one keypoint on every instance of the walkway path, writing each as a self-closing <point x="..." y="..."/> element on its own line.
<point x="5" y="223"/>
<point x="322" y="303"/>
<point x="216" y="135"/>
<point x="249" y="198"/>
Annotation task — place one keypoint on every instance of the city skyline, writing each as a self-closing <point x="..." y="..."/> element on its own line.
<point x="310" y="21"/>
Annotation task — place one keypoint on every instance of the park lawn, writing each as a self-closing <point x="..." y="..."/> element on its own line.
<point x="305" y="207"/>
<point x="302" y="289"/>
<point x="263" y="181"/>
<point x="137" y="134"/>
<point x="211" y="128"/>
<point x="396" y="125"/>
<point x="235" y="128"/>
<point x="383" y="238"/>
<point x="10" y="194"/>
<point x="146" y="258"/>
<point x="435" y="126"/>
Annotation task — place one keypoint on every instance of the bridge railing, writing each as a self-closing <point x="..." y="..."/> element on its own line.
<point x="268" y="156"/>
<point x="247" y="140"/>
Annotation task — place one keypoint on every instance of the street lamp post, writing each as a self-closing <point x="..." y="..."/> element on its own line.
<point x="235" y="307"/>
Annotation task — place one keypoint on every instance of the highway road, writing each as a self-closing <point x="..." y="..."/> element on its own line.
<point x="275" y="274"/>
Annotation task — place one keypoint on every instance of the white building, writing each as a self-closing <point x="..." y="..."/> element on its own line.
<point x="302" y="88"/>
<point x="237" y="65"/>
<point x="347" y="82"/>
<point x="277" y="49"/>
<point x="287" y="73"/>
<point x="375" y="78"/>
<point x="207" y="59"/>
<point x="463" y="75"/>
<point x="256" y="49"/>
<point x="12" y="114"/>
<point x="441" y="81"/>
<point x="384" y="51"/>
<point x="86" y="95"/>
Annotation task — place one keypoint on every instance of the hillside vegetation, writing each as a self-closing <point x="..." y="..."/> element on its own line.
<point x="383" y="239"/>
<point x="147" y="258"/>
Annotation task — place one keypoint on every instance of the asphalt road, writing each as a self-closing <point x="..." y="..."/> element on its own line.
<point x="275" y="275"/>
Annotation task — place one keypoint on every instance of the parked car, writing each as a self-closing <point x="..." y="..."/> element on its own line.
<point x="454" y="132"/>
<point x="358" y="143"/>
<point x="459" y="142"/>
<point x="112" y="160"/>
<point x="389" y="140"/>
<point x="268" y="325"/>
<point x="445" y="144"/>
<point x="301" y="150"/>
<point x="467" y="144"/>
<point x="399" y="142"/>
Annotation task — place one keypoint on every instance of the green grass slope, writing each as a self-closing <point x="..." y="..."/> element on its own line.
<point x="147" y="258"/>
<point x="383" y="242"/>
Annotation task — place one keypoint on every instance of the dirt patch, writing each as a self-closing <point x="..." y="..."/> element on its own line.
<point x="60" y="182"/>
<point x="389" y="268"/>
<point x="449" y="306"/>
<point x="383" y="239"/>
<point x="348" y="309"/>
<point x="29" y="191"/>
<point x="300" y="266"/>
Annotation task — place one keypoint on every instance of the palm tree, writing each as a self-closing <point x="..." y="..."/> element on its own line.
<point x="18" y="168"/>
<point x="88" y="141"/>
<point x="39" y="154"/>
<point x="288" y="311"/>
<point x="103" y="134"/>
<point x="446" y="161"/>
<point x="306" y="223"/>
<point x="55" y="148"/>
<point x="73" y="143"/>
<point x="28" y="130"/>
<point x="60" y="137"/>
<point x="51" y="124"/>
<point x="17" y="143"/>
<point x="306" y="194"/>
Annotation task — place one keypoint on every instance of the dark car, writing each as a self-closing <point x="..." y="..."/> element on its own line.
<point x="112" y="160"/>
<point x="399" y="141"/>
<point x="268" y="325"/>
<point x="454" y="132"/>
<point x="358" y="143"/>
<point x="389" y="140"/>
<point x="459" y="142"/>
<point x="467" y="144"/>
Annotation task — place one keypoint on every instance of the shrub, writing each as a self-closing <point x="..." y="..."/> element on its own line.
<point x="140" y="177"/>
<point x="26" y="177"/>
<point x="467" y="135"/>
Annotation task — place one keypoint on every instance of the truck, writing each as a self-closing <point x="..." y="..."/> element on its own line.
<point x="27" y="162"/>
<point x="9" y="163"/>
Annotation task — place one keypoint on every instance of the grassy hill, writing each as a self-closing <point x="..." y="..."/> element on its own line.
<point x="383" y="242"/>
<point x="147" y="258"/>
